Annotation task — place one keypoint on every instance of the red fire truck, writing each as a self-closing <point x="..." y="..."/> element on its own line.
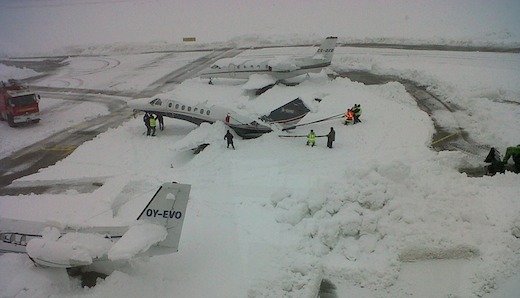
<point x="18" y="104"/>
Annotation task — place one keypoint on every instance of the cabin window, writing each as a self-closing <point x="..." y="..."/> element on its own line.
<point x="176" y="106"/>
<point x="201" y="111"/>
<point x="238" y="67"/>
<point x="251" y="66"/>
<point x="189" y="109"/>
<point x="8" y="238"/>
<point x="258" y="66"/>
<point x="183" y="107"/>
<point x="195" y="109"/>
<point x="207" y="112"/>
<point x="170" y="105"/>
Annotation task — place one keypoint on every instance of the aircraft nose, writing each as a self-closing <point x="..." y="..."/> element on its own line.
<point x="136" y="103"/>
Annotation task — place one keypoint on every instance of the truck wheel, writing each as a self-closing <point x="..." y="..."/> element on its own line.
<point x="10" y="120"/>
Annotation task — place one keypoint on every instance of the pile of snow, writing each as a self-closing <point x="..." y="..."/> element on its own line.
<point x="77" y="248"/>
<point x="11" y="72"/>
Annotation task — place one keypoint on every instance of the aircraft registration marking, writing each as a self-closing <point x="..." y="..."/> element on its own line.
<point x="163" y="213"/>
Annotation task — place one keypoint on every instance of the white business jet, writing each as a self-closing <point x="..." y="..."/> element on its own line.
<point x="157" y="231"/>
<point x="246" y="127"/>
<point x="275" y="69"/>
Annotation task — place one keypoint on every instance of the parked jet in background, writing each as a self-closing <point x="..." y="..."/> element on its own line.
<point x="275" y="69"/>
<point x="157" y="232"/>
<point x="285" y="116"/>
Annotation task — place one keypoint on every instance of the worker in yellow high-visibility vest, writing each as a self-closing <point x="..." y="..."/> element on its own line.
<point x="311" y="138"/>
<point x="153" y="124"/>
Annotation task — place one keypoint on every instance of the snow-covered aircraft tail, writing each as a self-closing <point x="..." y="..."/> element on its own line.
<point x="55" y="246"/>
<point x="326" y="50"/>
<point x="167" y="208"/>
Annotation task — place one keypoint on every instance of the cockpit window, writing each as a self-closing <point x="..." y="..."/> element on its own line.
<point x="156" y="102"/>
<point x="214" y="66"/>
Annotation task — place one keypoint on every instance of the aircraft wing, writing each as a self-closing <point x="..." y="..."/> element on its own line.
<point x="205" y="134"/>
<point x="259" y="81"/>
<point x="283" y="64"/>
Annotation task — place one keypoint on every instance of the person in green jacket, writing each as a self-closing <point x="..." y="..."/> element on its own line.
<point x="357" y="112"/>
<point x="311" y="138"/>
<point x="513" y="152"/>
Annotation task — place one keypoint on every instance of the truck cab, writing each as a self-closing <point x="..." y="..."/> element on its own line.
<point x="18" y="105"/>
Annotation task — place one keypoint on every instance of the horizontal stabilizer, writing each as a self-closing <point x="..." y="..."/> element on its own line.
<point x="50" y="253"/>
<point x="288" y="114"/>
<point x="138" y="239"/>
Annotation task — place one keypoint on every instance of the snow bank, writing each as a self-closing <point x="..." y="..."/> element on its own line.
<point x="11" y="72"/>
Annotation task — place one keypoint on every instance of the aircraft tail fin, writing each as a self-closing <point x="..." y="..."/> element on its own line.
<point x="288" y="114"/>
<point x="326" y="49"/>
<point x="168" y="208"/>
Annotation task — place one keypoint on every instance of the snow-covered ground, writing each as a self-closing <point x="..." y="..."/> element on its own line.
<point x="379" y="215"/>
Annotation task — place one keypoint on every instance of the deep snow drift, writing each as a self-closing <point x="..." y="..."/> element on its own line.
<point x="274" y="217"/>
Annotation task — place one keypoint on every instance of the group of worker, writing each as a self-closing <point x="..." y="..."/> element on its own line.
<point x="351" y="117"/>
<point x="353" y="114"/>
<point x="150" y="121"/>
<point x="331" y="137"/>
<point x="498" y="165"/>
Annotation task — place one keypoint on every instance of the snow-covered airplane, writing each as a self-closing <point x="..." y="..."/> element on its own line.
<point x="246" y="127"/>
<point x="274" y="69"/>
<point x="157" y="231"/>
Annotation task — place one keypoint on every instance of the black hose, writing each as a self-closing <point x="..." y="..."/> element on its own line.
<point x="321" y="120"/>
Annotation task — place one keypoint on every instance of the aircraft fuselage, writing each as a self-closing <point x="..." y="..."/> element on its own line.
<point x="236" y="69"/>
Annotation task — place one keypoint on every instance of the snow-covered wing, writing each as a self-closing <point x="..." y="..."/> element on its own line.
<point x="205" y="134"/>
<point x="258" y="81"/>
